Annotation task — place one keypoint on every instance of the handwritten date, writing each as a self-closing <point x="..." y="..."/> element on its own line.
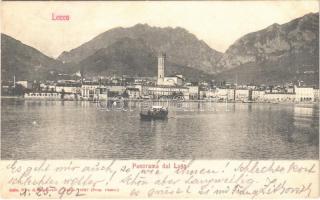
<point x="52" y="191"/>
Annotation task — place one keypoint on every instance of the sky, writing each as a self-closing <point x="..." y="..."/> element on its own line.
<point x="218" y="23"/>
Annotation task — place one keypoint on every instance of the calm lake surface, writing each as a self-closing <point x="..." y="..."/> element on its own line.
<point x="81" y="130"/>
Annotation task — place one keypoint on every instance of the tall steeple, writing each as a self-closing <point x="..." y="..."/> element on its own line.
<point x="161" y="63"/>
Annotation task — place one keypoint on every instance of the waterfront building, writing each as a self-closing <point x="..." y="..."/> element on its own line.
<point x="241" y="94"/>
<point x="101" y="93"/>
<point x="290" y="90"/>
<point x="94" y="91"/>
<point x="158" y="92"/>
<point x="25" y="84"/>
<point x="279" y="97"/>
<point x="68" y="88"/>
<point x="88" y="90"/>
<point x="51" y="95"/>
<point x="43" y="95"/>
<point x="47" y="87"/>
<point x="304" y="93"/>
<point x="193" y="92"/>
<point x="258" y="95"/>
<point x="119" y="89"/>
<point x="219" y="94"/>
<point x="225" y="93"/>
<point x="208" y="93"/>
<point x="116" y="89"/>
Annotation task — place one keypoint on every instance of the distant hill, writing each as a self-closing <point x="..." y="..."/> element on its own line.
<point x="25" y="62"/>
<point x="132" y="57"/>
<point x="276" y="54"/>
<point x="181" y="47"/>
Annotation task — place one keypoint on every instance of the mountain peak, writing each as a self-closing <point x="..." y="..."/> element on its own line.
<point x="182" y="47"/>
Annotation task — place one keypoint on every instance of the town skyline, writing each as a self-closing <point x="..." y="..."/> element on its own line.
<point x="68" y="34"/>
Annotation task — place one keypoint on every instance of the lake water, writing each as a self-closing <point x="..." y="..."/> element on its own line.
<point x="81" y="130"/>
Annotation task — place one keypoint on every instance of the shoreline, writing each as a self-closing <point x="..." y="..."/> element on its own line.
<point x="157" y="100"/>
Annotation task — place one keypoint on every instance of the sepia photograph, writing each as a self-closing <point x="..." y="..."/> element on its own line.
<point x="207" y="80"/>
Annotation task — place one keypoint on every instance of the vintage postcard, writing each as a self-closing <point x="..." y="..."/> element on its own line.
<point x="159" y="99"/>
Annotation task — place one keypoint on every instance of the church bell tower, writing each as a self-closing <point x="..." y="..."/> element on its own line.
<point x="161" y="63"/>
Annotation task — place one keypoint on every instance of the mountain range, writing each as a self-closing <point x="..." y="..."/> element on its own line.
<point x="276" y="54"/>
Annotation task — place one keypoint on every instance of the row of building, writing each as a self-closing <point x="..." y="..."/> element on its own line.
<point x="298" y="94"/>
<point x="171" y="87"/>
<point x="95" y="91"/>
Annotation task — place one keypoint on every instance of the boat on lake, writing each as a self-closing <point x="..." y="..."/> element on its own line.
<point x="154" y="112"/>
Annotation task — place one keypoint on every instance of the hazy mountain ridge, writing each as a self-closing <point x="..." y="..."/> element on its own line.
<point x="181" y="47"/>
